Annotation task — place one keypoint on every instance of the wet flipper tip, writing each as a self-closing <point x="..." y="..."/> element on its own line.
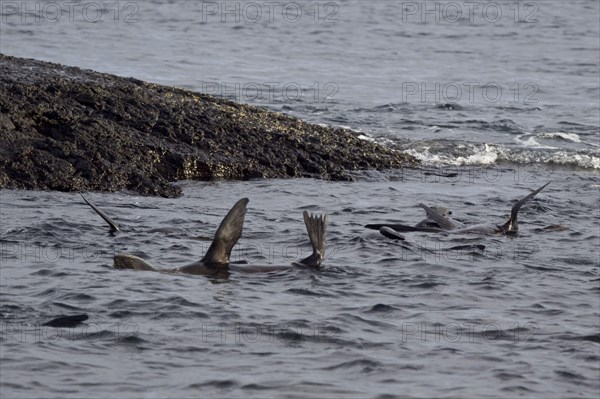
<point x="112" y="225"/>
<point x="512" y="226"/>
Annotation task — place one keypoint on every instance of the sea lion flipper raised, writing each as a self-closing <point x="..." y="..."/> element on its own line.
<point x="436" y="216"/>
<point x="113" y="226"/>
<point x="316" y="226"/>
<point x="512" y="226"/>
<point x="227" y="235"/>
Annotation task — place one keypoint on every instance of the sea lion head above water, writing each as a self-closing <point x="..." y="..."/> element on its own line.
<point x="446" y="225"/>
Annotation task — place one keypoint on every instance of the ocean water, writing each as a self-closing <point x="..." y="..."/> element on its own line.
<point x="496" y="101"/>
<point x="438" y="78"/>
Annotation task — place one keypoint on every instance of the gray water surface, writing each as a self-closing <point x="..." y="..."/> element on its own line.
<point x="510" y="82"/>
<point x="520" y="318"/>
<point x="412" y="318"/>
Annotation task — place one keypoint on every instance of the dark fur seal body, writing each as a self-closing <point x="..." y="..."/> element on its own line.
<point x="216" y="260"/>
<point x="66" y="321"/>
<point x="440" y="223"/>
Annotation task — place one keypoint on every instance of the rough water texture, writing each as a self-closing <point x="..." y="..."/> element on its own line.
<point x="382" y="319"/>
<point x="70" y="129"/>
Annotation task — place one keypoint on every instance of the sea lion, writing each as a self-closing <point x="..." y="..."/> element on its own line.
<point x="433" y="219"/>
<point x="216" y="260"/>
<point x="447" y="226"/>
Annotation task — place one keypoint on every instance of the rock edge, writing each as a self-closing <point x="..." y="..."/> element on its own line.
<point x="68" y="129"/>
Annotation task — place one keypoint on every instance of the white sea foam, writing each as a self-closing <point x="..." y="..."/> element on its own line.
<point x="528" y="140"/>
<point x="366" y="138"/>
<point x="574" y="137"/>
<point x="379" y="140"/>
<point x="488" y="154"/>
<point x="571" y="137"/>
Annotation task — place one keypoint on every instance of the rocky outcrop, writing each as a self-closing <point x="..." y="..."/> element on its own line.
<point x="64" y="128"/>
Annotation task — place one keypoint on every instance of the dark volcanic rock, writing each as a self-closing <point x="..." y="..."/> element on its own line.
<point x="68" y="129"/>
